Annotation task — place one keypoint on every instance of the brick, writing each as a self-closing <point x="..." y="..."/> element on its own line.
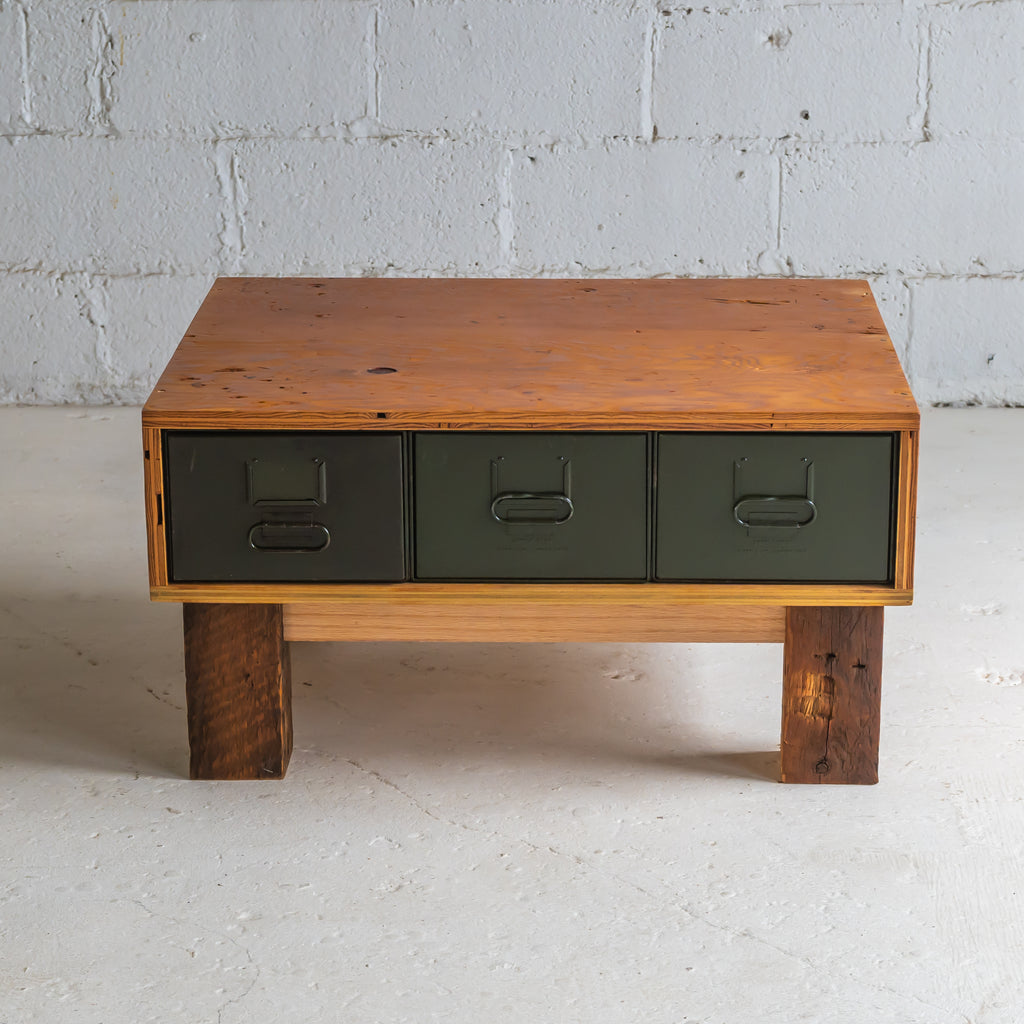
<point x="331" y="207"/>
<point x="670" y="208"/>
<point x="47" y="342"/>
<point x="217" y="67"/>
<point x="11" y="70"/>
<point x="967" y="340"/>
<point x="977" y="71"/>
<point x="108" y="205"/>
<point x="940" y="207"/>
<point x="146" y="318"/>
<point x="831" y="73"/>
<point x="559" y="69"/>
<point x="67" y="63"/>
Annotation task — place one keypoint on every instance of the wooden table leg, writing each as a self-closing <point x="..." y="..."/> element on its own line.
<point x="831" y="693"/>
<point x="238" y="689"/>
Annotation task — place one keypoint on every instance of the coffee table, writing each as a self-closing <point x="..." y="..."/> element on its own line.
<point x="532" y="460"/>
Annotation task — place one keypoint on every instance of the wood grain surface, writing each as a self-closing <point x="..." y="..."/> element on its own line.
<point x="238" y="689"/>
<point x="832" y="677"/>
<point x="156" y="527"/>
<point x="483" y="354"/>
<point x="906" y="510"/>
<point x="645" y="595"/>
<point x="510" y="622"/>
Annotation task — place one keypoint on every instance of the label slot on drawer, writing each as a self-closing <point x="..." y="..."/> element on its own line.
<point x="539" y="506"/>
<point x="764" y="507"/>
<point x="280" y="507"/>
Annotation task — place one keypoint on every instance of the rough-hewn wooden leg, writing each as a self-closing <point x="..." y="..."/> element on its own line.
<point x="239" y="691"/>
<point x="831" y="693"/>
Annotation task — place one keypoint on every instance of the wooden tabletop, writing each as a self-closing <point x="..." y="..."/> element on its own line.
<point x="384" y="353"/>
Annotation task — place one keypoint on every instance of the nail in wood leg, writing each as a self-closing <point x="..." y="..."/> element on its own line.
<point x="238" y="689"/>
<point x="831" y="694"/>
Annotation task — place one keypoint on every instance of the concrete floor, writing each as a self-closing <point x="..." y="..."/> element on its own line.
<point x="536" y="833"/>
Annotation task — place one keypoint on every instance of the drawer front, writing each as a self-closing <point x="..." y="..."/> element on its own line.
<point x="285" y="507"/>
<point x="809" y="507"/>
<point x="531" y="506"/>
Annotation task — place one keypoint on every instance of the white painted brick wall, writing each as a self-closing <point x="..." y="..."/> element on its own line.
<point x="947" y="208"/>
<point x="12" y="87"/>
<point x="226" y="69"/>
<point x="68" y="65"/>
<point x="48" y="340"/>
<point x="119" y="206"/>
<point x="832" y="73"/>
<point x="326" y="207"/>
<point x="630" y="209"/>
<point x="562" y="69"/>
<point x="969" y="339"/>
<point x="977" y="63"/>
<point x="146" y="147"/>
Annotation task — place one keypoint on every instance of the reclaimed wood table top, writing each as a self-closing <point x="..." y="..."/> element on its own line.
<point x="534" y="354"/>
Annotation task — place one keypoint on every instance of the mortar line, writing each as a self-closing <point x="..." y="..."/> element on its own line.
<point x="778" y="204"/>
<point x="26" y="81"/>
<point x="373" y="45"/>
<point x="231" y="233"/>
<point x="908" y="360"/>
<point x="96" y="299"/>
<point x="924" y="73"/>
<point x="98" y="76"/>
<point x="505" y="218"/>
<point x="238" y="197"/>
<point x="648" y="129"/>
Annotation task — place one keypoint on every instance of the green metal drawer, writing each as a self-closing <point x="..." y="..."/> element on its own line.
<point x="809" y="507"/>
<point x="285" y="507"/>
<point x="531" y="506"/>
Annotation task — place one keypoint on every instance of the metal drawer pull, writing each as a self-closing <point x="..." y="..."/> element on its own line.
<point x="290" y="538"/>
<point x="523" y="508"/>
<point x="775" y="512"/>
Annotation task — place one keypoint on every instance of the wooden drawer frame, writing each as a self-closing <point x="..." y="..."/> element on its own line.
<point x="595" y="595"/>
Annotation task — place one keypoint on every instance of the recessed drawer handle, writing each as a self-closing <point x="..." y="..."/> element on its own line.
<point x="522" y="508"/>
<point x="289" y="537"/>
<point x="774" y="512"/>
